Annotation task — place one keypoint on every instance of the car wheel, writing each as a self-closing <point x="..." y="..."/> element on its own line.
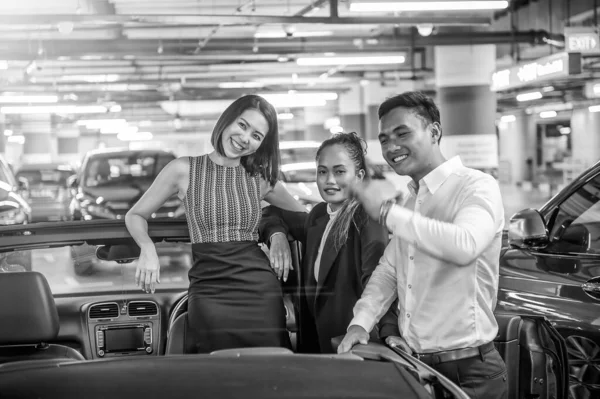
<point x="584" y="367"/>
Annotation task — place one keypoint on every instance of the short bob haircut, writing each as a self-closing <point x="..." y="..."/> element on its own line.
<point x="265" y="161"/>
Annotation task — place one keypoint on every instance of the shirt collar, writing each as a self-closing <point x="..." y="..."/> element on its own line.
<point x="434" y="179"/>
<point x="331" y="212"/>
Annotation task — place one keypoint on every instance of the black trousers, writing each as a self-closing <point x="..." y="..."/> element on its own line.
<point x="480" y="377"/>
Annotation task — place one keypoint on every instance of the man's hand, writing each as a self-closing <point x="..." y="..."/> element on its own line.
<point x="372" y="194"/>
<point x="398" y="342"/>
<point x="281" y="257"/>
<point x="355" y="335"/>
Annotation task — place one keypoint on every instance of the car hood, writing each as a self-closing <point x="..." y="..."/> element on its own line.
<point x="120" y="193"/>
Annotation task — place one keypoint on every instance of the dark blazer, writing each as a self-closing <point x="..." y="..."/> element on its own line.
<point x="326" y="307"/>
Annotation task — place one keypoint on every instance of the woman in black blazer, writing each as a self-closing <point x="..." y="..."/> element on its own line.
<point x="334" y="272"/>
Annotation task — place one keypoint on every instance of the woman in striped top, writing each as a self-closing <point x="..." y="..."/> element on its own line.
<point x="235" y="298"/>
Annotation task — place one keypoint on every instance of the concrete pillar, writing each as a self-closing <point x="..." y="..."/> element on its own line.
<point x="467" y="106"/>
<point x="40" y="143"/>
<point x="585" y="136"/>
<point x="314" y="119"/>
<point x="516" y="148"/>
<point x="352" y="110"/>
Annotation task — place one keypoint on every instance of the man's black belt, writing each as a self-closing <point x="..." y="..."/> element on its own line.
<point x="455" y="354"/>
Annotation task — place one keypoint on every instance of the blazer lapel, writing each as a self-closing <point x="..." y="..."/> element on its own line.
<point x="327" y="259"/>
<point x="313" y="241"/>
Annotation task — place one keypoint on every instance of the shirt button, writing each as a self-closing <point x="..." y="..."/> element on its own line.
<point x="412" y="257"/>
<point x="409" y="286"/>
<point x="408" y="315"/>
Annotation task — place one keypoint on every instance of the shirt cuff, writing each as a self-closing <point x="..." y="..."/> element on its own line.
<point x="363" y="320"/>
<point x="276" y="233"/>
<point x="398" y="216"/>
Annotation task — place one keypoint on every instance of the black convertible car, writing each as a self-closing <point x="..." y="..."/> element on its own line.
<point x="98" y="336"/>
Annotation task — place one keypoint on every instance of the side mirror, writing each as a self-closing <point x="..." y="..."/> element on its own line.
<point x="72" y="181"/>
<point x="527" y="229"/>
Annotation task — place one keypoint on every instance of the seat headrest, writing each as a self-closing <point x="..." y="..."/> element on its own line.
<point x="28" y="313"/>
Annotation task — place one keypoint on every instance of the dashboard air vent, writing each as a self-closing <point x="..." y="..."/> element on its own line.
<point x="104" y="311"/>
<point x="136" y="309"/>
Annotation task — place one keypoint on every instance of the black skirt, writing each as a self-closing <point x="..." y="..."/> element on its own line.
<point x="235" y="299"/>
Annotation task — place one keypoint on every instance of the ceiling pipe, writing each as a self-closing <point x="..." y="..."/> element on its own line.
<point x="19" y="49"/>
<point x="228" y="19"/>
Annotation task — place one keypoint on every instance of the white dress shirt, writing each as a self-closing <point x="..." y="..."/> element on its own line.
<point x="442" y="262"/>
<point x="332" y="216"/>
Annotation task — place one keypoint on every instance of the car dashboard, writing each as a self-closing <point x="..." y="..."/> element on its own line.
<point x="108" y="326"/>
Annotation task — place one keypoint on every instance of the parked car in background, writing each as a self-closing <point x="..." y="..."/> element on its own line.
<point x="14" y="208"/>
<point x="550" y="266"/>
<point x="49" y="195"/>
<point x="109" y="183"/>
<point x="112" y="180"/>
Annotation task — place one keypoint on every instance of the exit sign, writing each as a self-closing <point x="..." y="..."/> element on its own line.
<point x="584" y="40"/>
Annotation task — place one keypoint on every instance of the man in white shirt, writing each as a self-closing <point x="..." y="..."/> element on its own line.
<point x="443" y="260"/>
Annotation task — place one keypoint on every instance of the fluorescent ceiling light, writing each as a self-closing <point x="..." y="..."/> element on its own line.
<point x="92" y="78"/>
<point x="298" y="166"/>
<point x="548" y="114"/>
<point x="286" y="145"/>
<point x="55" y="109"/>
<point x="508" y="118"/>
<point x="594" y="108"/>
<point x="565" y="130"/>
<point x="282" y="34"/>
<point x="336" y="129"/>
<point x="428" y="6"/>
<point x="364" y="60"/>
<point x="240" y="85"/>
<point x="8" y="132"/>
<point x="16" y="139"/>
<point x="285" y="116"/>
<point x="536" y="95"/>
<point x="548" y="89"/>
<point x="100" y="123"/>
<point x="139" y="136"/>
<point x="28" y="99"/>
<point x="3" y="65"/>
<point x="295" y="100"/>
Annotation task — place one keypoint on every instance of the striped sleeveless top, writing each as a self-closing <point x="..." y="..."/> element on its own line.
<point x="222" y="203"/>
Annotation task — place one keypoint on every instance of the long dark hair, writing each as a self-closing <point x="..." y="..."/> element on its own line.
<point x="356" y="149"/>
<point x="265" y="161"/>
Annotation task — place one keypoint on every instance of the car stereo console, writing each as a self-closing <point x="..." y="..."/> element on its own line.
<point x="124" y="329"/>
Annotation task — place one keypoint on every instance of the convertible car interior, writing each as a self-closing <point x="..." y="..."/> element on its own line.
<point x="101" y="336"/>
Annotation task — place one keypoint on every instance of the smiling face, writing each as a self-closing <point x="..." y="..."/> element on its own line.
<point x="408" y="143"/>
<point x="335" y="172"/>
<point x="245" y="135"/>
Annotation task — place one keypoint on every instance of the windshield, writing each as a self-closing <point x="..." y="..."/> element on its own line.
<point x="46" y="176"/>
<point x="109" y="169"/>
<point x="76" y="269"/>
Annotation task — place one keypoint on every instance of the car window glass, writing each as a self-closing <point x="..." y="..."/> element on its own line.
<point x="45" y="176"/>
<point x="577" y="224"/>
<point x="115" y="169"/>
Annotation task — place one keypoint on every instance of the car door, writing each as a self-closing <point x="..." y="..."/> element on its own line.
<point x="562" y="281"/>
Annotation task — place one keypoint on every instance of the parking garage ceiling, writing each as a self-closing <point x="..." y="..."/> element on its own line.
<point x="148" y="58"/>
